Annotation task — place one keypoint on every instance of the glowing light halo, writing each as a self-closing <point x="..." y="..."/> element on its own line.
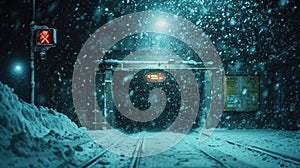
<point x="96" y="46"/>
<point x="18" y="67"/>
<point x="161" y="24"/>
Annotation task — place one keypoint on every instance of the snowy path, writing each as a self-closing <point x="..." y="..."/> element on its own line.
<point x="40" y="137"/>
<point x="226" y="148"/>
<point x="260" y="148"/>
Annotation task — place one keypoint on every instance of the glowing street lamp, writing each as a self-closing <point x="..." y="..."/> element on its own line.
<point x="17" y="68"/>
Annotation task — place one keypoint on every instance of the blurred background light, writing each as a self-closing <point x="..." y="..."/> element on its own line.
<point x="18" y="69"/>
<point x="161" y="24"/>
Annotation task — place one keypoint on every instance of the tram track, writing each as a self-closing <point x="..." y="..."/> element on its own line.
<point x="270" y="153"/>
<point x="189" y="147"/>
<point x="94" y="160"/>
<point x="136" y="156"/>
<point x="263" y="151"/>
<point x="224" y="160"/>
<point x="133" y="161"/>
<point x="183" y="154"/>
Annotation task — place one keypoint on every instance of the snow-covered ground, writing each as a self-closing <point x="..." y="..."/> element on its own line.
<point x="254" y="146"/>
<point x="225" y="148"/>
<point x="40" y="137"/>
<point x="279" y="141"/>
<point x="35" y="136"/>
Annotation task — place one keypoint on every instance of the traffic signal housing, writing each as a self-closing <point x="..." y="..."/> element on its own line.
<point x="43" y="38"/>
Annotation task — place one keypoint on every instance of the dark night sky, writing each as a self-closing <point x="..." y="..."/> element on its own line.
<point x="15" y="37"/>
<point x="75" y="20"/>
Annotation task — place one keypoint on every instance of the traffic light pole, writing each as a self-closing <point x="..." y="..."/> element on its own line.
<point x="32" y="83"/>
<point x="42" y="39"/>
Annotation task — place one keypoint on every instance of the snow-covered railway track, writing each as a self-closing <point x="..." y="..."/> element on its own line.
<point x="214" y="158"/>
<point x="224" y="160"/>
<point x="131" y="162"/>
<point x="136" y="156"/>
<point x="252" y="154"/>
<point x="95" y="159"/>
<point x="216" y="152"/>
<point x="187" y="153"/>
<point x="270" y="153"/>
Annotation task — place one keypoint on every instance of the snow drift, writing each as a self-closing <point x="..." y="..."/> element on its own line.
<point x="34" y="136"/>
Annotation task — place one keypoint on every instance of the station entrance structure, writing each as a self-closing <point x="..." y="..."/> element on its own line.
<point x="103" y="96"/>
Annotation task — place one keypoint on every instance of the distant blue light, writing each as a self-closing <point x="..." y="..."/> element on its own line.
<point x="18" y="69"/>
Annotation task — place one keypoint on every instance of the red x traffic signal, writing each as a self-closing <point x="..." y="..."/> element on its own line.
<point x="45" y="37"/>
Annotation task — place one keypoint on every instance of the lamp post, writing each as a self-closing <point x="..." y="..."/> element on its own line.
<point x="32" y="83"/>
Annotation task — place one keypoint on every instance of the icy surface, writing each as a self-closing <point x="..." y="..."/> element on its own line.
<point x="190" y="153"/>
<point x="42" y="137"/>
<point x="282" y="142"/>
<point x="32" y="136"/>
<point x="279" y="141"/>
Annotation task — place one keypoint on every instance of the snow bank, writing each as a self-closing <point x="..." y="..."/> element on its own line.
<point x="32" y="136"/>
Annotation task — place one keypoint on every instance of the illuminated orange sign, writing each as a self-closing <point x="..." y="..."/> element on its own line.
<point x="45" y="37"/>
<point x="155" y="77"/>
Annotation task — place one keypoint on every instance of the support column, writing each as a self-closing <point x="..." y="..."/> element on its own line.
<point x="108" y="99"/>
